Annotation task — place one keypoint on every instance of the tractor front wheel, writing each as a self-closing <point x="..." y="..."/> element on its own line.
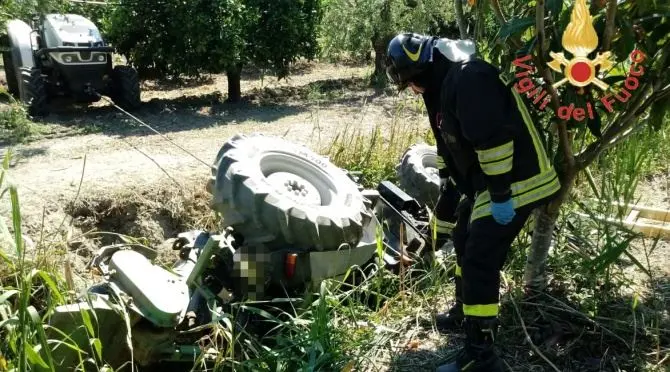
<point x="418" y="173"/>
<point x="34" y="92"/>
<point x="10" y="74"/>
<point x="126" y="88"/>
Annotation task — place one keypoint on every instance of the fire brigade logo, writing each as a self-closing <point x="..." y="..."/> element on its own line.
<point x="580" y="39"/>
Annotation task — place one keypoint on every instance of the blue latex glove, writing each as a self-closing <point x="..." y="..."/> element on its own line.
<point x="503" y="212"/>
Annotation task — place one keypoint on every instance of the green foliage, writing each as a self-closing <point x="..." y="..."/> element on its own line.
<point x="178" y="37"/>
<point x="279" y="31"/>
<point x="14" y="125"/>
<point x="20" y="324"/>
<point x="642" y="25"/>
<point x="349" y="26"/>
<point x="26" y="9"/>
<point x="201" y="36"/>
<point x="375" y="154"/>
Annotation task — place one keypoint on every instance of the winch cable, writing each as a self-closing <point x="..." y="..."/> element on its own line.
<point x="150" y="128"/>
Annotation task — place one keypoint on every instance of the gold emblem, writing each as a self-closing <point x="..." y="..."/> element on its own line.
<point x="580" y="39"/>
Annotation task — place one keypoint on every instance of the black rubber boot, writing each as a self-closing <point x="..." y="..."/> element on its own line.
<point x="440" y="240"/>
<point x="452" y="320"/>
<point x="478" y="354"/>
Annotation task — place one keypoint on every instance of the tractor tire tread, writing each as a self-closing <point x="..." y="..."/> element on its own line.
<point x="413" y="175"/>
<point x="252" y="207"/>
<point x="10" y="74"/>
<point x="34" y="93"/>
<point x="126" y="88"/>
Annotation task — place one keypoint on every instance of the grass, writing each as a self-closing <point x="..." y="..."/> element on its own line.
<point x="15" y="127"/>
<point x="596" y="315"/>
<point x="376" y="152"/>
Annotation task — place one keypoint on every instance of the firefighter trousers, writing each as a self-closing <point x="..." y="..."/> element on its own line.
<point x="481" y="249"/>
<point x="444" y="216"/>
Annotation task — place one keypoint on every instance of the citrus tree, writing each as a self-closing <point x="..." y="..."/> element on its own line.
<point x="358" y="28"/>
<point x="177" y="37"/>
<point x="597" y="72"/>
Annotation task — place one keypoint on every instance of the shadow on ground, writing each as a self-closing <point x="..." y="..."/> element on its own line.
<point x="20" y="155"/>
<point x="248" y="74"/>
<point x="203" y="111"/>
<point x="618" y="338"/>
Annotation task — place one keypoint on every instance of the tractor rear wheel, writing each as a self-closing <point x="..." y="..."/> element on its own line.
<point x="126" y="88"/>
<point x="34" y="91"/>
<point x="418" y="174"/>
<point x="279" y="193"/>
<point x="10" y="74"/>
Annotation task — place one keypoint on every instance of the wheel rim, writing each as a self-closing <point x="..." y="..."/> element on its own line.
<point x="295" y="188"/>
<point x="429" y="162"/>
<point x="298" y="179"/>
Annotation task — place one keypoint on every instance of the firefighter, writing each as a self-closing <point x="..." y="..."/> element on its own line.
<point x="493" y="156"/>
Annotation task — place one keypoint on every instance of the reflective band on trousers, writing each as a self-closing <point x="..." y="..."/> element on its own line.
<point x="440" y="226"/>
<point x="459" y="271"/>
<point x="523" y="193"/>
<point x="480" y="310"/>
<point x="440" y="162"/>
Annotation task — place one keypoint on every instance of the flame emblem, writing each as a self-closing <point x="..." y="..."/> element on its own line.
<point x="580" y="39"/>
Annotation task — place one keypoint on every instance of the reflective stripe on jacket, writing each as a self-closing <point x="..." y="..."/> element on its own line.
<point x="494" y="150"/>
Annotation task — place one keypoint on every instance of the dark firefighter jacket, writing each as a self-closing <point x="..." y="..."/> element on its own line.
<point x="490" y="147"/>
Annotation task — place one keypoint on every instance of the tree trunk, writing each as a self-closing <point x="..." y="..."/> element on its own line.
<point x="460" y="18"/>
<point x="538" y="252"/>
<point x="534" y="276"/>
<point x="234" y="75"/>
<point x="380" y="39"/>
<point x="545" y="222"/>
<point x="379" y="44"/>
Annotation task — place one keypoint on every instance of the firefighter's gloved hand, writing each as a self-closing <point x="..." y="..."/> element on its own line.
<point x="503" y="212"/>
<point x="443" y="183"/>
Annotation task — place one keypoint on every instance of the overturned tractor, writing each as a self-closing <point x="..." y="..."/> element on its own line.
<point x="291" y="219"/>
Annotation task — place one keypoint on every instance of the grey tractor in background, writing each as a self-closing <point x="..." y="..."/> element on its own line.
<point x="64" y="55"/>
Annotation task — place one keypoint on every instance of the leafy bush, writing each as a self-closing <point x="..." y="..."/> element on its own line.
<point x="14" y="125"/>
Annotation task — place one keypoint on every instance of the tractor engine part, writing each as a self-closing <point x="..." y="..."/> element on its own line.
<point x="163" y="299"/>
<point x="400" y="211"/>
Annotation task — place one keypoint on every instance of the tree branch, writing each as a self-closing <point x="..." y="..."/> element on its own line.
<point x="636" y="108"/>
<point x="546" y="76"/>
<point x="497" y="11"/>
<point x="460" y="18"/>
<point x="609" y="138"/>
<point x="610" y="24"/>
<point x="569" y="170"/>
